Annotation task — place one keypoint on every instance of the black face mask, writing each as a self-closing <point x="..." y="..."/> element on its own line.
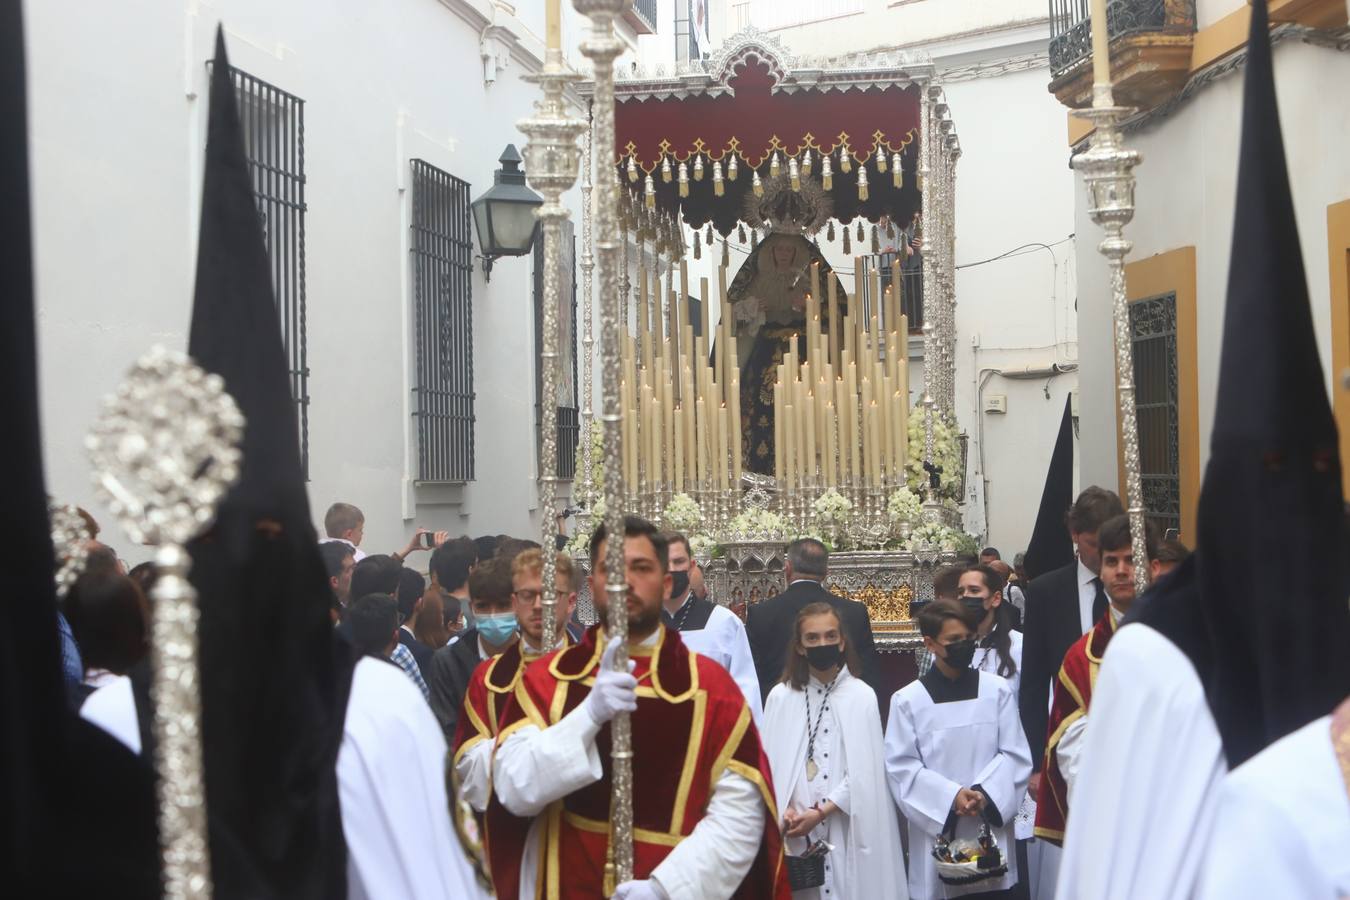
<point x="679" y="584"/>
<point x="975" y="605"/>
<point x="824" y="657"/>
<point x="960" y="653"/>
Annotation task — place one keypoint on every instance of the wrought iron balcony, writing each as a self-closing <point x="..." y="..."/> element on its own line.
<point x="1150" y="49"/>
<point x="641" y="14"/>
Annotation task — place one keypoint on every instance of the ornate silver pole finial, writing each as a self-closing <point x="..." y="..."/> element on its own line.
<point x="551" y="158"/>
<point x="70" y="543"/>
<point x="1108" y="170"/>
<point x="164" y="452"/>
<point x="603" y="47"/>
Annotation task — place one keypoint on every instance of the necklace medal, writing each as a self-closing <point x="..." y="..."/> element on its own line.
<point x="812" y="770"/>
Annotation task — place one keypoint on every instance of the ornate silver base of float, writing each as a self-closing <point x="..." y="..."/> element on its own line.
<point x="890" y="582"/>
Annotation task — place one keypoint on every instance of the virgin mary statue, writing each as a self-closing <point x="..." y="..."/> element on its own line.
<point x="767" y="301"/>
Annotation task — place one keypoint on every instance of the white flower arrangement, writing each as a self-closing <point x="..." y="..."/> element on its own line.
<point x="946" y="453"/>
<point x="904" y="507"/>
<point x="930" y="536"/>
<point x="756" y="525"/>
<point x="597" y="439"/>
<point x="702" y="546"/>
<point x="682" y="514"/>
<point x="832" y="508"/>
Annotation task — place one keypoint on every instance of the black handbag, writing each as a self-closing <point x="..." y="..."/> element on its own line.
<point x="805" y="871"/>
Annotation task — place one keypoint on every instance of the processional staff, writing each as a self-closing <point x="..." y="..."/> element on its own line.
<point x="551" y="157"/>
<point x="603" y="47"/>
<point x="164" y="452"/>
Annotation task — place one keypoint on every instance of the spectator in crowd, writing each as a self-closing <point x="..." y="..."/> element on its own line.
<point x="453" y="614"/>
<point x="344" y="522"/>
<point x="429" y="624"/>
<point x="1171" y="553"/>
<point x="374" y="620"/>
<point x="494" y="630"/>
<point x="988" y="555"/>
<point x="110" y="620"/>
<point x="339" y="559"/>
<point x="411" y="587"/>
<point x="1016" y="600"/>
<point x="379" y="574"/>
<point x="1020" y="567"/>
<point x="487" y="545"/>
<point x="451" y="565"/>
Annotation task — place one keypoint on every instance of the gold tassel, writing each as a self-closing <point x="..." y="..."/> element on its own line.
<point x="890" y="229"/>
<point x="794" y="175"/>
<point x="665" y="169"/>
<point x="897" y="172"/>
<point x="726" y="254"/>
<point x="756" y="185"/>
<point x="829" y="230"/>
<point x="698" y="249"/>
<point x="684" y="179"/>
<point x="876" y="240"/>
<point x="698" y="167"/>
<point x="719" y="188"/>
<point x="806" y="161"/>
<point x="732" y="169"/>
<point x="754" y="239"/>
<point x="845" y="159"/>
<point x="860" y="232"/>
<point x="773" y="165"/>
<point x="632" y="169"/>
<point x="862" y="187"/>
<point x="709" y="234"/>
<point x="826" y="175"/>
<point x="848" y="247"/>
<point x="740" y="232"/>
<point x="651" y="193"/>
<point x="881" y="158"/>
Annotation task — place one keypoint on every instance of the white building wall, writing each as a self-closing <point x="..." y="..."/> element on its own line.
<point x="1187" y="187"/>
<point x="117" y="120"/>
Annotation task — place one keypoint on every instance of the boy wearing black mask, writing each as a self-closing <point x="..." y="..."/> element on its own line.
<point x="708" y="628"/>
<point x="956" y="756"/>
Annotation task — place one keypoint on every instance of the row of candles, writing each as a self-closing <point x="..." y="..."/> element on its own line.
<point x="841" y="395"/>
<point x="841" y="408"/>
<point x="681" y="403"/>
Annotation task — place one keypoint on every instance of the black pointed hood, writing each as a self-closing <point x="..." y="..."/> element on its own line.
<point x="1050" y="547"/>
<point x="68" y="791"/>
<point x="273" y="695"/>
<point x="1269" y="577"/>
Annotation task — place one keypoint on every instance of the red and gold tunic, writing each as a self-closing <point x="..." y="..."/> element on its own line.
<point x="489" y="688"/>
<point x="1073" y="696"/>
<point x="691" y="725"/>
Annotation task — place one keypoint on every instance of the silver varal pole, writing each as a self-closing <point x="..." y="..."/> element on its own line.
<point x="551" y="158"/>
<point x="603" y="47"/>
<point x="164" y="452"/>
<point x="588" y="485"/>
<point x="1108" y="169"/>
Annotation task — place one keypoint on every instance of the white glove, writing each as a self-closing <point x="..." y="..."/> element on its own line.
<point x="613" y="692"/>
<point x="639" y="890"/>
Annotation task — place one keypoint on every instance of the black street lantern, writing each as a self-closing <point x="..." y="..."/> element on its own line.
<point x="504" y="216"/>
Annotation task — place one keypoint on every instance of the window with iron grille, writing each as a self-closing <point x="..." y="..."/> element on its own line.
<point x="441" y="251"/>
<point x="274" y="141"/>
<point x="569" y="421"/>
<point x="1153" y="332"/>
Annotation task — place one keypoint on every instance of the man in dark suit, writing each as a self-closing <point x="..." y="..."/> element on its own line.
<point x="494" y="630"/>
<point x="411" y="586"/>
<point x="769" y="624"/>
<point x="1061" y="606"/>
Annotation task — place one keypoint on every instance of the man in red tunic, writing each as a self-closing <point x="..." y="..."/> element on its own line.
<point x="1078" y="674"/>
<point x="705" y="825"/>
<point x="495" y="679"/>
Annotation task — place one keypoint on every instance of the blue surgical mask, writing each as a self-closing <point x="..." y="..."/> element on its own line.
<point x="497" y="629"/>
